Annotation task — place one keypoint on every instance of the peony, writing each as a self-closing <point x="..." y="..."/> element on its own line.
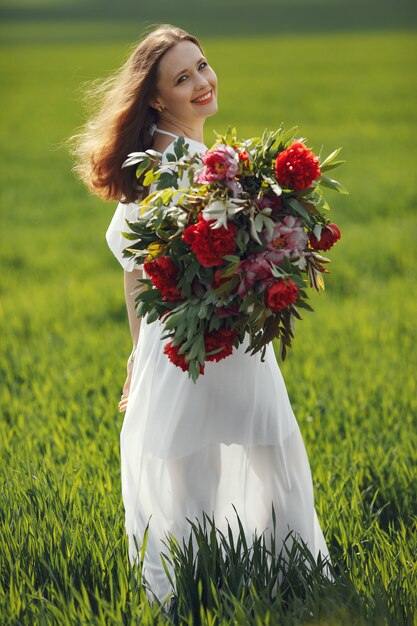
<point x="281" y="294"/>
<point x="178" y="359"/>
<point x="220" y="163"/>
<point x="254" y="268"/>
<point x="163" y="274"/>
<point x="288" y="234"/>
<point x="210" y="245"/>
<point x="329" y="235"/>
<point x="297" y="167"/>
<point x="224" y="339"/>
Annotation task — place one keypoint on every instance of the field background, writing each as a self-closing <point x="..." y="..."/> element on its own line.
<point x="345" y="72"/>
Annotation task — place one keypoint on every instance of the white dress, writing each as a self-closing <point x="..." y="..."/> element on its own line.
<point x="229" y="439"/>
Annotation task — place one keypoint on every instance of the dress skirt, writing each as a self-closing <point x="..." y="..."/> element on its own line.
<point x="227" y="443"/>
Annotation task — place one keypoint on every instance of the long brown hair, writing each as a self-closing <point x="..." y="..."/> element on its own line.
<point x="122" y="119"/>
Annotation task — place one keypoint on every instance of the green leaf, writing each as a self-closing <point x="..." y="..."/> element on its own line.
<point x="130" y="236"/>
<point x="298" y="208"/>
<point x="253" y="232"/>
<point x="331" y="183"/>
<point x="229" y="270"/>
<point x="148" y="295"/>
<point x="142" y="167"/>
<point x="330" y="158"/>
<point x="194" y="370"/>
<point x="149" y="178"/>
<point x="167" y="179"/>
<point x="288" y="134"/>
<point x="202" y="311"/>
<point x="153" y="316"/>
<point x="173" y="320"/>
<point x="179" y="146"/>
<point x="310" y="207"/>
<point x="197" y="345"/>
<point x="303" y="305"/>
<point x="331" y="166"/>
<point x="298" y="281"/>
<point x="232" y="258"/>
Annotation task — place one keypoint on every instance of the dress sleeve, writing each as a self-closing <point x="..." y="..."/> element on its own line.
<point x="129" y="211"/>
<point x="114" y="237"/>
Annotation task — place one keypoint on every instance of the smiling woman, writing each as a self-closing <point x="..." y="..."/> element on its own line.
<point x="186" y="91"/>
<point x="229" y="443"/>
<point x="166" y="74"/>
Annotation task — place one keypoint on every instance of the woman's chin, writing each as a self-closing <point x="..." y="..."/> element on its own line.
<point x="208" y="110"/>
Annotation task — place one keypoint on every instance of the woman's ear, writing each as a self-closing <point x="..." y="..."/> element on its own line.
<point x="156" y="104"/>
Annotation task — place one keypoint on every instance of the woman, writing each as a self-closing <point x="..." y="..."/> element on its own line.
<point x="230" y="439"/>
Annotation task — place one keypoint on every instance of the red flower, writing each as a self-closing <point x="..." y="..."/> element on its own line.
<point x="223" y="338"/>
<point x="297" y="167"/>
<point x="208" y="244"/>
<point x="281" y="294"/>
<point x="244" y="157"/>
<point x="178" y="359"/>
<point x="329" y="235"/>
<point x="163" y="274"/>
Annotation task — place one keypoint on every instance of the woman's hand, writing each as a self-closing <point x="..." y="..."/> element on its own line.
<point x="126" y="386"/>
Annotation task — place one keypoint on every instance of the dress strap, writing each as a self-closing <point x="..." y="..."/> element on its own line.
<point x="164" y="132"/>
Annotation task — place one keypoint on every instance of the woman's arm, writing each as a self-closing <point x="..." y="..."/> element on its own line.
<point x="131" y="289"/>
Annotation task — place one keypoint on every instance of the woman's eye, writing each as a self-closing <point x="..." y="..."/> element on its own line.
<point x="184" y="77"/>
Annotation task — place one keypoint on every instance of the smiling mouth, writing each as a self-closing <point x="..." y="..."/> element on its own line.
<point x="203" y="99"/>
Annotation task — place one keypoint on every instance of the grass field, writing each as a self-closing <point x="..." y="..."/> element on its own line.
<point x="65" y="339"/>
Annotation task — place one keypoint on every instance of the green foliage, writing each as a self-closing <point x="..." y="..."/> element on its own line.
<point x="217" y="571"/>
<point x="65" y="340"/>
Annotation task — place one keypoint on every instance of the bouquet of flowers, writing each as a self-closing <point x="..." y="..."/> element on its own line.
<point x="230" y="240"/>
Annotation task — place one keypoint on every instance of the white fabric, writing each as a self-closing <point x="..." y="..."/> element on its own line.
<point x="114" y="237"/>
<point x="229" y="439"/>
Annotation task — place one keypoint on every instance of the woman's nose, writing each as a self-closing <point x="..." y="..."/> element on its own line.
<point x="201" y="82"/>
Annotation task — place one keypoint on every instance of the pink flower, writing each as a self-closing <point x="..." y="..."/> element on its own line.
<point x="253" y="269"/>
<point x="289" y="236"/>
<point x="288" y="239"/>
<point x="221" y="163"/>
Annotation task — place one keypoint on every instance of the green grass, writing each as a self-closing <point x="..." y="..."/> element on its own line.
<point x="231" y="18"/>
<point x="65" y="339"/>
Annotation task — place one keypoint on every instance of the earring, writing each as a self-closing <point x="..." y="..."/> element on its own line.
<point x="160" y="109"/>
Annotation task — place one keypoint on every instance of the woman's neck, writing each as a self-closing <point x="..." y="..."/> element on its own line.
<point x="195" y="132"/>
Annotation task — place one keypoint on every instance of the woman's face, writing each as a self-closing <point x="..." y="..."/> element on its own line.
<point x="187" y="86"/>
